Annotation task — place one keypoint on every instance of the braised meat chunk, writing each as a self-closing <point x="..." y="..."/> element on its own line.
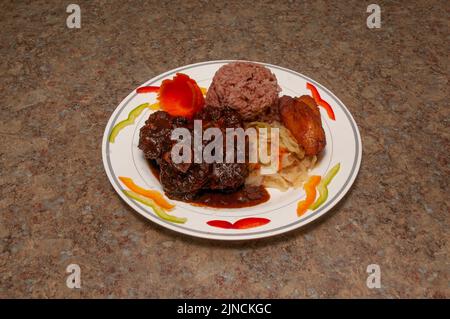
<point x="224" y="176"/>
<point x="183" y="185"/>
<point x="228" y="176"/>
<point x="302" y="117"/>
<point x="185" y="181"/>
<point x="154" y="136"/>
<point x="221" y="118"/>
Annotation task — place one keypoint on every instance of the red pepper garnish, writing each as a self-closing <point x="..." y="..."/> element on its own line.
<point x="250" y="222"/>
<point x="321" y="102"/>
<point x="147" y="89"/>
<point x="220" y="224"/>
<point x="243" y="223"/>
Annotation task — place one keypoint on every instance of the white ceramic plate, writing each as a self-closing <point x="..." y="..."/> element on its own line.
<point x="123" y="158"/>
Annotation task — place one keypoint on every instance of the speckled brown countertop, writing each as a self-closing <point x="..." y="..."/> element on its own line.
<point x="59" y="86"/>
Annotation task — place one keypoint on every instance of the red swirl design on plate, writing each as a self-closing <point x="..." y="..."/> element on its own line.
<point x="244" y="223"/>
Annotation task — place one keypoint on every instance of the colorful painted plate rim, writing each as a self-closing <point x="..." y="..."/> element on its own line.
<point x="237" y="236"/>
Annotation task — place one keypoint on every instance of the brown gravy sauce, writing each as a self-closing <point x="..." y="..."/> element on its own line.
<point x="154" y="168"/>
<point x="246" y="196"/>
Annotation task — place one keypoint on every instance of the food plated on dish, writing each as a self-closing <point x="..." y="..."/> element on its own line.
<point x="226" y="150"/>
